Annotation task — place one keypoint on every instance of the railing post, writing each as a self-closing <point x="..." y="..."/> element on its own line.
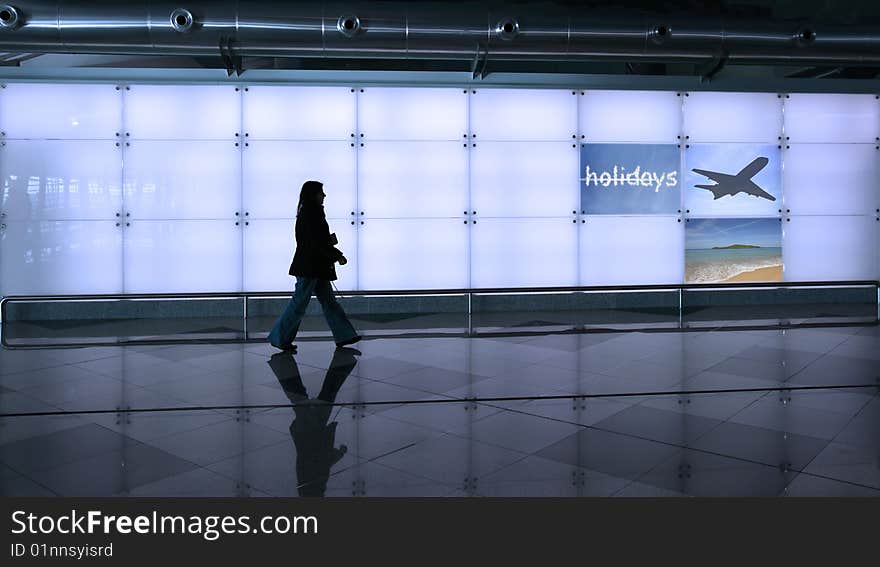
<point x="245" y="316"/>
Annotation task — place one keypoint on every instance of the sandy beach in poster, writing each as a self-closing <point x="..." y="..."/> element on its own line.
<point x="733" y="250"/>
<point x="771" y="274"/>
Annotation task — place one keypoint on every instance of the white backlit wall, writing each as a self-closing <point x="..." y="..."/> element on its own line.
<point x="193" y="188"/>
<point x="830" y="181"/>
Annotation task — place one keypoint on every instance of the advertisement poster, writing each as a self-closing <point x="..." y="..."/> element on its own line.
<point x="621" y="179"/>
<point x="733" y="250"/>
<point x="733" y="179"/>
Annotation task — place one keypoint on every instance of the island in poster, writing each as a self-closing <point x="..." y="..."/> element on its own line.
<point x="733" y="250"/>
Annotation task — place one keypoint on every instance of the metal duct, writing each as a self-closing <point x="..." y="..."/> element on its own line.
<point x="409" y="30"/>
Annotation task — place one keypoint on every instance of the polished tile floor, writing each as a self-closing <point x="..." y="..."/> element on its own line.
<point x="713" y="412"/>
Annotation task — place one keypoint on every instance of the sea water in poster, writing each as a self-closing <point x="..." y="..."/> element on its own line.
<point x="733" y="179"/>
<point x="620" y="179"/>
<point x="726" y="250"/>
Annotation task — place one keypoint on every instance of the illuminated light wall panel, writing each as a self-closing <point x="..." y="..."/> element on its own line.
<point x="273" y="172"/>
<point x="524" y="179"/>
<point x="182" y="179"/>
<point x="831" y="179"/>
<point x="412" y="254"/>
<point x="524" y="252"/>
<point x="61" y="173"/>
<point x="412" y="179"/>
<point x="61" y="179"/>
<point x="631" y="250"/>
<point x="182" y="256"/>
<point x="732" y="117"/>
<point x="522" y="114"/>
<point x="299" y="113"/>
<point x="61" y="111"/>
<point x="829" y="248"/>
<point x="182" y="112"/>
<point x="269" y="246"/>
<point x="630" y="116"/>
<point x="832" y="118"/>
<point x="60" y="257"/>
<point x="421" y="164"/>
<point x="831" y="186"/>
<point x="395" y="114"/>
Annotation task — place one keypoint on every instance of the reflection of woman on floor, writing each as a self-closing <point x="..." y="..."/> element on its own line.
<point x="313" y="267"/>
<point x="313" y="437"/>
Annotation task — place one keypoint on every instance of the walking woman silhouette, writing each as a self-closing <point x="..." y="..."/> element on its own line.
<point x="313" y="266"/>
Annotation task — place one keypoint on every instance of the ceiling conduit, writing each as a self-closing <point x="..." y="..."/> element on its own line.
<point x="409" y="30"/>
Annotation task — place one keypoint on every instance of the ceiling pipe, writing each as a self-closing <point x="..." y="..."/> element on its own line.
<point x="407" y="30"/>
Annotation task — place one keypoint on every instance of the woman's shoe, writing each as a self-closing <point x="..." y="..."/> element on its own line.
<point x="350" y="341"/>
<point x="286" y="348"/>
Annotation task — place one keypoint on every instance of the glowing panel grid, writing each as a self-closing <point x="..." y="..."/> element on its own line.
<point x="299" y="113"/>
<point x="630" y="116"/>
<point x="524" y="252"/>
<point x="631" y="250"/>
<point x="412" y="114"/>
<point x="61" y="179"/>
<point x="521" y="115"/>
<point x="60" y="257"/>
<point x="269" y="246"/>
<point x="182" y="112"/>
<point x="274" y="171"/>
<point x="824" y="118"/>
<point x="831" y="179"/>
<point x="182" y="180"/>
<point x="829" y="248"/>
<point x="732" y="117"/>
<point x="413" y="254"/>
<point x="182" y="256"/>
<point x="413" y="179"/>
<point x="62" y="111"/>
<point x="516" y="179"/>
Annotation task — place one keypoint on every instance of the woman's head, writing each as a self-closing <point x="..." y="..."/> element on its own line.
<point x="312" y="193"/>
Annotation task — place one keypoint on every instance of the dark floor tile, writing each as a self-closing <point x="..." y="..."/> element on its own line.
<point x="864" y="429"/>
<point x="365" y="478"/>
<point x="773" y="448"/>
<point x="720" y="406"/>
<point x="55" y="449"/>
<point x="451" y="460"/>
<point x="197" y="482"/>
<point x="832" y="370"/>
<point x="218" y="441"/>
<point x="536" y="476"/>
<point x="611" y="453"/>
<point x="677" y="428"/>
<point x="791" y="360"/>
<point x="698" y="473"/>
<point x="773" y="411"/>
<point x="580" y="410"/>
<point x="433" y="380"/>
<point x="520" y="431"/>
<point x="858" y="465"/>
<point x="112" y="473"/>
<point x="807" y="485"/>
<point x="773" y="372"/>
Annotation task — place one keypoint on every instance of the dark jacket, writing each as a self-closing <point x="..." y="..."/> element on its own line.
<point x="315" y="253"/>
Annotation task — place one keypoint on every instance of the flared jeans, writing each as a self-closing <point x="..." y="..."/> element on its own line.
<point x="287" y="325"/>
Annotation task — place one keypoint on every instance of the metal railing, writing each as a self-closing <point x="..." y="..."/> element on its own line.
<point x="469" y="293"/>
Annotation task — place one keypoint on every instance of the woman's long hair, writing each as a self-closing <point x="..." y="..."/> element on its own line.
<point x="308" y="195"/>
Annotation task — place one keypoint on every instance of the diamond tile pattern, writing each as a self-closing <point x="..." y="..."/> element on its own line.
<point x="720" y="412"/>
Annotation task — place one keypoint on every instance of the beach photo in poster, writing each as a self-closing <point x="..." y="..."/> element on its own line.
<point x="621" y="179"/>
<point x="733" y="179"/>
<point x="733" y="250"/>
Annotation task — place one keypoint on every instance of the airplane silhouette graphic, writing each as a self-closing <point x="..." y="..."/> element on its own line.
<point x="726" y="184"/>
